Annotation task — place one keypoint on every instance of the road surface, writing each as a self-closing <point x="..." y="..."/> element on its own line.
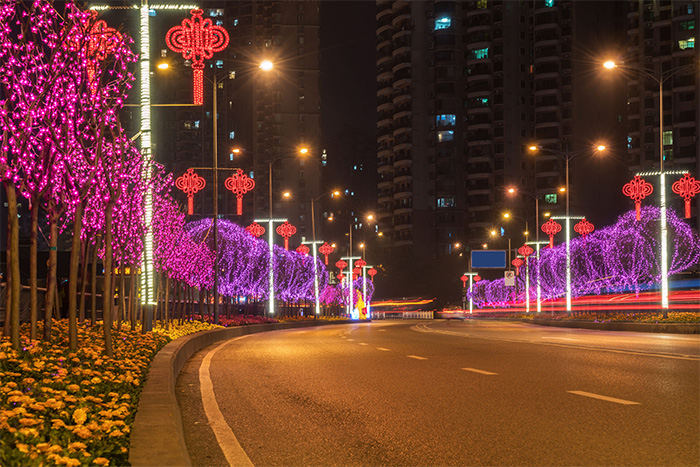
<point x="444" y="393"/>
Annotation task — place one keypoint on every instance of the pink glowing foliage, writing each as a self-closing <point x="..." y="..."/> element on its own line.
<point x="244" y="263"/>
<point x="624" y="256"/>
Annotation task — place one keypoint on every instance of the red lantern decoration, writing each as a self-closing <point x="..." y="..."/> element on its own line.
<point x="687" y="187"/>
<point x="464" y="280"/>
<point x="341" y="265"/>
<point x="197" y="39"/>
<point x="340" y="277"/>
<point x="356" y="273"/>
<point x="255" y="229"/>
<point x="477" y="278"/>
<point x="303" y="249"/>
<point x="583" y="228"/>
<point x="326" y="250"/>
<point x="525" y="250"/>
<point x="517" y="262"/>
<point x="372" y="272"/>
<point x="190" y="183"/>
<point x="637" y="189"/>
<point x="360" y="263"/>
<point x="239" y="184"/>
<point x="102" y="41"/>
<point x="286" y="230"/>
<point x="551" y="228"/>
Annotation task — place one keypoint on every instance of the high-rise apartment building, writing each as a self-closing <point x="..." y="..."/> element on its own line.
<point x="463" y="87"/>
<point x="662" y="37"/>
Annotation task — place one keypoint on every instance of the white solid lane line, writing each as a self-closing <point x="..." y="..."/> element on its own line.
<point x="383" y="349"/>
<point x="483" y="372"/>
<point x="603" y="398"/>
<point x="416" y="357"/>
<point x="234" y="453"/>
<point x="562" y="338"/>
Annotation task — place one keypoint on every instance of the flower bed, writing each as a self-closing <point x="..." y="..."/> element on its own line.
<point x="65" y="407"/>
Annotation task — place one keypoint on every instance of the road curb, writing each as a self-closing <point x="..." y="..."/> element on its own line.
<point x="670" y="328"/>
<point x="157" y="436"/>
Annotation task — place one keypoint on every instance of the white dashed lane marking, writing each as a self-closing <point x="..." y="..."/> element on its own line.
<point x="482" y="372"/>
<point x="383" y="349"/>
<point x="363" y="343"/>
<point x="603" y="398"/>
<point x="416" y="357"/>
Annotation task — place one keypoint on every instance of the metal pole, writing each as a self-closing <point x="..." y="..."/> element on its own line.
<point x="662" y="207"/>
<point x="215" y="184"/>
<point x="350" y="294"/>
<point x="568" y="236"/>
<point x="313" y="234"/>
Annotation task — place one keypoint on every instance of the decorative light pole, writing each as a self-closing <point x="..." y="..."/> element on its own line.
<point x="239" y="184"/>
<point x="271" y="278"/>
<point x="538" y="244"/>
<point x="190" y="183"/>
<point x="472" y="276"/>
<point x="313" y="244"/>
<point x="526" y="251"/>
<point x="637" y="189"/>
<point x="365" y="267"/>
<point x="351" y="291"/>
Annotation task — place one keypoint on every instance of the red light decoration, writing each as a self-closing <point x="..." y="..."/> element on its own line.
<point x="340" y="277"/>
<point x="464" y="280"/>
<point x="190" y="183"/>
<point x="326" y="250"/>
<point x="197" y="39"/>
<point x="517" y="262"/>
<point x="477" y="278"/>
<point x="239" y="184"/>
<point x="360" y="263"/>
<point x="356" y="273"/>
<point x="303" y="249"/>
<point x="551" y="228"/>
<point x="255" y="229"/>
<point x="583" y="228"/>
<point x="687" y="187"/>
<point x="637" y="189"/>
<point x="372" y="272"/>
<point x="525" y="250"/>
<point x="102" y="41"/>
<point x="286" y="230"/>
<point x="341" y="265"/>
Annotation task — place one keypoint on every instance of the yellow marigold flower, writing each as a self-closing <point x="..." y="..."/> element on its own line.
<point x="68" y="461"/>
<point x="38" y="406"/>
<point x="22" y="447"/>
<point x="58" y="422"/>
<point x="92" y="426"/>
<point x="28" y="380"/>
<point x="28" y="432"/>
<point x="85" y="382"/>
<point x="70" y="399"/>
<point x="116" y="433"/>
<point x="101" y="461"/>
<point x="62" y="371"/>
<point x="28" y="421"/>
<point x="19" y="410"/>
<point x="126" y="396"/>
<point x="76" y="446"/>
<point x="83" y="432"/>
<point x="73" y="387"/>
<point x="43" y="447"/>
<point x="95" y="380"/>
<point x="11" y="384"/>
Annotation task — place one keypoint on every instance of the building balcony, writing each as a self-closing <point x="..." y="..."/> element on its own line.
<point x="403" y="210"/>
<point x="402" y="146"/>
<point x="404" y="178"/>
<point x="402" y="83"/>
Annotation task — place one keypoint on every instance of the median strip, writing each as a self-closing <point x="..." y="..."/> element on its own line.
<point x="603" y="398"/>
<point x="481" y="372"/>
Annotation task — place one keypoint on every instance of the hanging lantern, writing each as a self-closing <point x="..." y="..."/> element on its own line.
<point x="239" y="184"/>
<point x="637" y="189"/>
<point x="326" y="250"/>
<point x="464" y="280"/>
<point x="286" y="230"/>
<point x="340" y="277"/>
<point x="190" y="183"/>
<point x="525" y="250"/>
<point x="583" y="228"/>
<point x="341" y="265"/>
<point x="303" y="249"/>
<point x="197" y="39"/>
<point x="551" y="228"/>
<point x="360" y="263"/>
<point x="372" y="272"/>
<point x="687" y="187"/>
<point x="517" y="262"/>
<point x="477" y="278"/>
<point x="356" y="273"/>
<point x="255" y="229"/>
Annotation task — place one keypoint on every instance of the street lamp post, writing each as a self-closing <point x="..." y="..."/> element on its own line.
<point x="537" y="244"/>
<point x="660" y="78"/>
<point x="567" y="156"/>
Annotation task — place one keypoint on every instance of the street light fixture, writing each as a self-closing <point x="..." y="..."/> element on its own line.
<point x="567" y="156"/>
<point x="659" y="78"/>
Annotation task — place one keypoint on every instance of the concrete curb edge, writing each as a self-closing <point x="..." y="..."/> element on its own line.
<point x="157" y="436"/>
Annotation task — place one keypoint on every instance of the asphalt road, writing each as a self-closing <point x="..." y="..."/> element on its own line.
<point x="445" y="393"/>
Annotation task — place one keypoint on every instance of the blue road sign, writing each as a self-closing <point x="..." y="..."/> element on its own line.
<point x="488" y="259"/>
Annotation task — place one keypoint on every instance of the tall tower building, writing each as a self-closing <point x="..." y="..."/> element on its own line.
<point x="662" y="38"/>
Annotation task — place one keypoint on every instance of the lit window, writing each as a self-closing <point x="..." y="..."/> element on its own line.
<point x="443" y="136"/>
<point x="687" y="44"/>
<point x="686" y="25"/>
<point x="668" y="138"/>
<point x="196" y="123"/>
<point x="219" y="64"/>
<point x="549" y="3"/>
<point x="219" y="22"/>
<point x="235" y="22"/>
<point x="480" y="53"/>
<point x="445" y="120"/>
<point x="231" y="135"/>
<point x="443" y="23"/>
<point x="251" y="174"/>
<point x="445" y="202"/>
<point x="550" y="198"/>
<point x="688" y="9"/>
<point x="482" y="4"/>
<point x="629" y="142"/>
<point x="216" y="12"/>
<point x="482" y="101"/>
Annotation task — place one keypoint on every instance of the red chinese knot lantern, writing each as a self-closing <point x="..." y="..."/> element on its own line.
<point x="637" y="189"/>
<point x="372" y="272"/>
<point x="464" y="279"/>
<point x="340" y="277"/>
<point x="239" y="184"/>
<point x="341" y="265"/>
<point x="255" y="229"/>
<point x="687" y="187"/>
<point x="583" y="228"/>
<point x="517" y="262"/>
<point x="551" y="228"/>
<point x="360" y="263"/>
<point x="197" y="39"/>
<point x="477" y="278"/>
<point x="190" y="183"/>
<point x="303" y="249"/>
<point x="326" y="250"/>
<point x="286" y="230"/>
<point x="525" y="250"/>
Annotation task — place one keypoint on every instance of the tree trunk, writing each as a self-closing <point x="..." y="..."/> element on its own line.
<point x="132" y="296"/>
<point x="122" y="294"/>
<point x="93" y="282"/>
<point x="8" y="281"/>
<point x="107" y="289"/>
<point x="49" y="302"/>
<point x="83" y="281"/>
<point x="33" y="305"/>
<point x="166" y="300"/>
<point x="14" y="263"/>
<point x="73" y="277"/>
